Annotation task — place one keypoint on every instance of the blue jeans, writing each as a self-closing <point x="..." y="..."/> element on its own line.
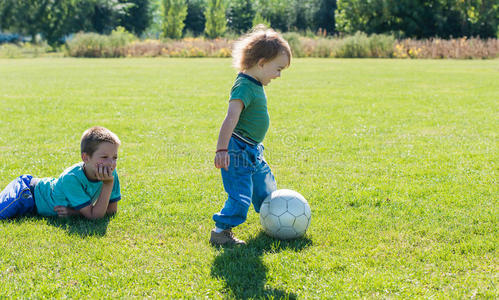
<point x="248" y="180"/>
<point x="17" y="198"/>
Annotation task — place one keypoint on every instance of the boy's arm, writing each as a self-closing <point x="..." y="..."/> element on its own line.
<point x="222" y="159"/>
<point x="229" y="123"/>
<point x="100" y="208"/>
<point x="64" y="211"/>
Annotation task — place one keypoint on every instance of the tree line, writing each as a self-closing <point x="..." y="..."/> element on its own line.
<point x="54" y="20"/>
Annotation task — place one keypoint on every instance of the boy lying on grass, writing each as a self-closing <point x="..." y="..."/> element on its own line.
<point x="90" y="188"/>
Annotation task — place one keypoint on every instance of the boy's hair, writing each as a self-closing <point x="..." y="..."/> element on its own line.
<point x="93" y="137"/>
<point x="260" y="43"/>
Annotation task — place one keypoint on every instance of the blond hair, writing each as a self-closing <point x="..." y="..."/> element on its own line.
<point x="93" y="137"/>
<point x="260" y="43"/>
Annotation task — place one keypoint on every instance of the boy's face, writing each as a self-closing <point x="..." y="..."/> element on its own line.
<point x="272" y="69"/>
<point x="106" y="156"/>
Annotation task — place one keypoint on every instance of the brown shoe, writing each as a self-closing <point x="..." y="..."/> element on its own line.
<point x="225" y="238"/>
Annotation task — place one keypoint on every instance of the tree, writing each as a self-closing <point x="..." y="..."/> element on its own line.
<point x="419" y="18"/>
<point x="5" y="14"/>
<point x="304" y="12"/>
<point x="258" y="19"/>
<point x="102" y="15"/>
<point x="325" y="16"/>
<point x="51" y="19"/>
<point x="240" y="15"/>
<point x="280" y="13"/>
<point x="216" y="24"/>
<point x="137" y="16"/>
<point x="174" y="13"/>
<point x="195" y="19"/>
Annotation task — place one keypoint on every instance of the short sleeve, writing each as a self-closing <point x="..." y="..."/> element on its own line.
<point x="242" y="93"/>
<point x="116" y="193"/>
<point x="74" y="192"/>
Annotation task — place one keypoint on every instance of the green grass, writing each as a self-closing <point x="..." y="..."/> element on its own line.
<point x="397" y="158"/>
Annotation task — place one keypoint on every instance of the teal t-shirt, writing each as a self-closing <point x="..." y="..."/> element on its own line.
<point x="72" y="189"/>
<point x="254" y="120"/>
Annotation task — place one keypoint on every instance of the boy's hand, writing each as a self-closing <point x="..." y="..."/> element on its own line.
<point x="222" y="160"/>
<point x="104" y="174"/>
<point x="63" y="211"/>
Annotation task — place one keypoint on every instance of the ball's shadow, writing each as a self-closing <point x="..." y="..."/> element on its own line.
<point x="242" y="268"/>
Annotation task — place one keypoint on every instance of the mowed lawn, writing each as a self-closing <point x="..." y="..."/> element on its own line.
<point x="397" y="158"/>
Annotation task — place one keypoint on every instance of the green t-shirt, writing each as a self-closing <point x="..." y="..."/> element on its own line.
<point x="72" y="189"/>
<point x="254" y="120"/>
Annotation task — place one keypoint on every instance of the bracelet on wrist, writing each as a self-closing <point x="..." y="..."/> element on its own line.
<point x="222" y="150"/>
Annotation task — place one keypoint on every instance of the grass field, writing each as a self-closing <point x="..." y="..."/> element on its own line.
<point x="397" y="158"/>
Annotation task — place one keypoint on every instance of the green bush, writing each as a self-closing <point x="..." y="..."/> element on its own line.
<point x="360" y="45"/>
<point x="381" y="45"/>
<point x="294" y="42"/>
<point x="324" y="48"/>
<point x="23" y="50"/>
<point x="117" y="42"/>
<point x="121" y="43"/>
<point x="97" y="45"/>
<point x="355" y="46"/>
<point x="86" y="45"/>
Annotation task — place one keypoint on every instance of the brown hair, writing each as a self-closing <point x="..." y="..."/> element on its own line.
<point x="93" y="137"/>
<point x="260" y="43"/>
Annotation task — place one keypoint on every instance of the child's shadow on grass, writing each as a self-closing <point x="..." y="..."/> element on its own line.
<point x="243" y="270"/>
<point x="81" y="226"/>
<point x="74" y="225"/>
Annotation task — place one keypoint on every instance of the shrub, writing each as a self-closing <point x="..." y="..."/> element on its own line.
<point x="356" y="46"/>
<point x="97" y="45"/>
<point x="10" y="51"/>
<point x="117" y="42"/>
<point x="294" y="43"/>
<point x="381" y="45"/>
<point x="148" y="48"/>
<point x="22" y="50"/>
<point x="121" y="43"/>
<point x="86" y="45"/>
<point x="462" y="48"/>
<point x="188" y="47"/>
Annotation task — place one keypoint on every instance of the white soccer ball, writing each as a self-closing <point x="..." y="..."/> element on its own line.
<point x="285" y="214"/>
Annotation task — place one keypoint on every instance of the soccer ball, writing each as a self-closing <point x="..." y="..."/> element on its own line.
<point x="285" y="214"/>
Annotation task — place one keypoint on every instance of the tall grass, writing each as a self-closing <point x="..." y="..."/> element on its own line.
<point x="462" y="48"/>
<point x="22" y="50"/>
<point x="360" y="45"/>
<point x="188" y="47"/>
<point x="97" y="45"/>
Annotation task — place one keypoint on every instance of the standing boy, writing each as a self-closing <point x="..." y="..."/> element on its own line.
<point x="259" y="56"/>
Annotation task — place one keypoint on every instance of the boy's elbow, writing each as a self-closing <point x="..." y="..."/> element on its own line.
<point x="96" y="216"/>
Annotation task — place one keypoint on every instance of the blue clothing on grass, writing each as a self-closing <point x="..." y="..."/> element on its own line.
<point x="71" y="189"/>
<point x="17" y="198"/>
<point x="248" y="180"/>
